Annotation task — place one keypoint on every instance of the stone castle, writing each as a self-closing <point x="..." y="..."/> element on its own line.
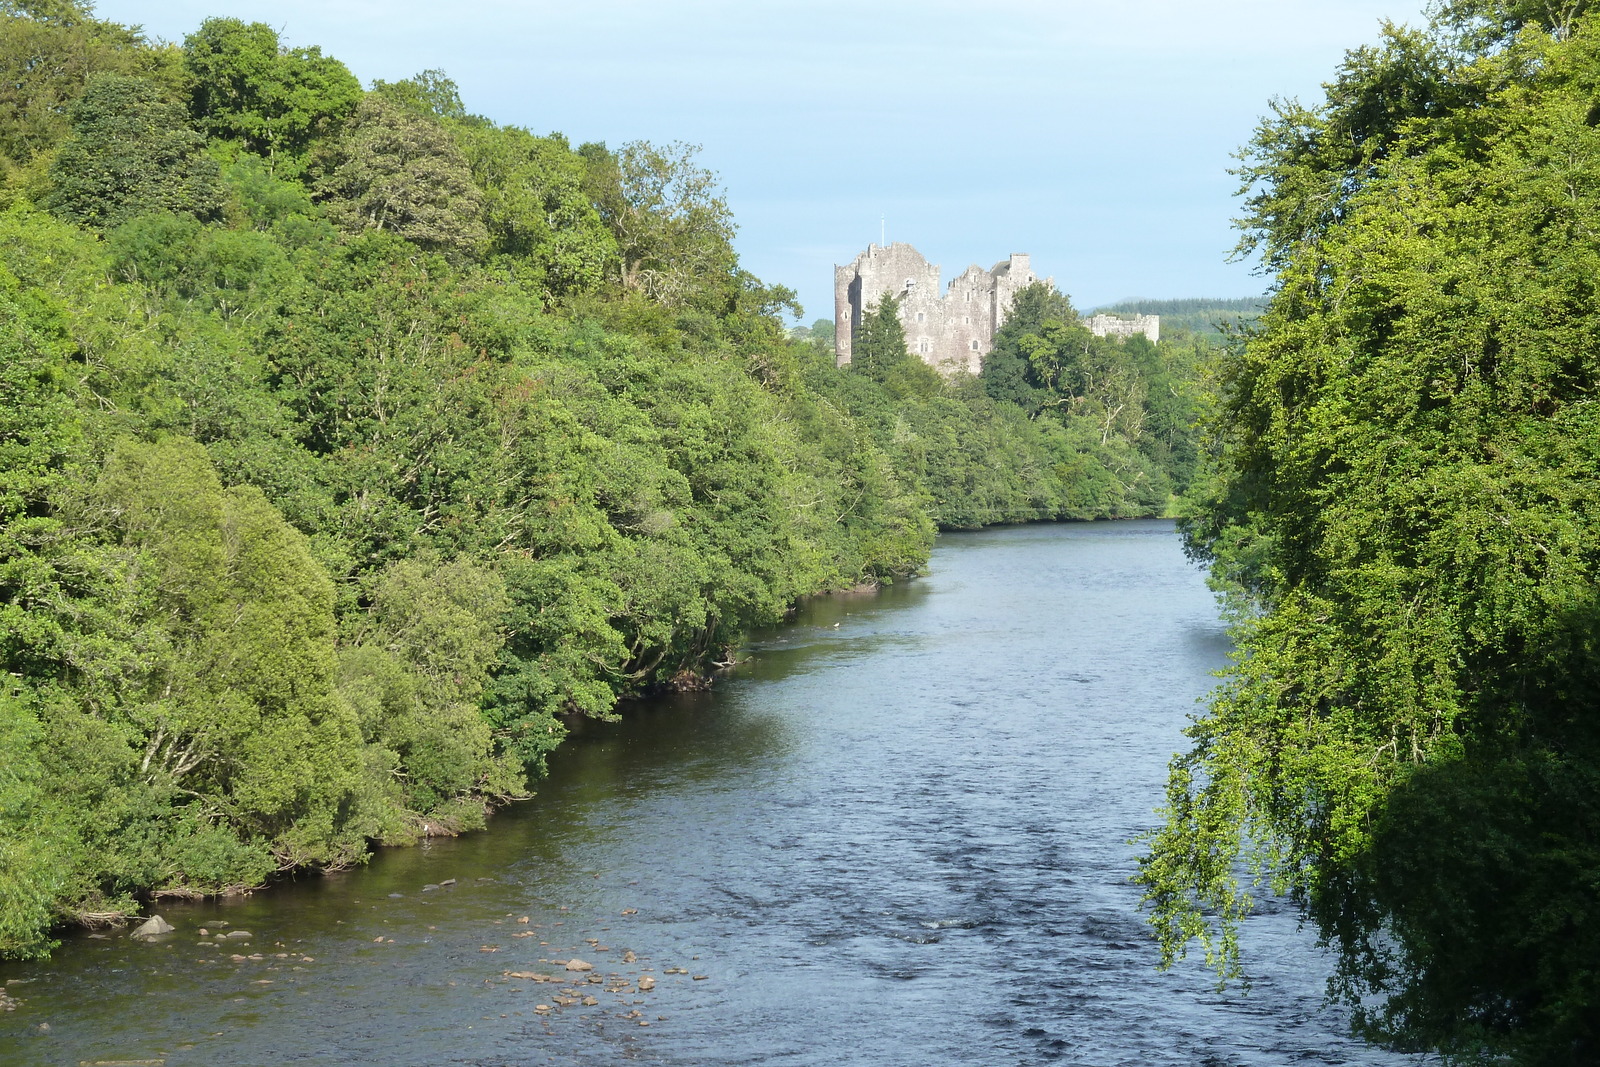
<point x="950" y="329"/>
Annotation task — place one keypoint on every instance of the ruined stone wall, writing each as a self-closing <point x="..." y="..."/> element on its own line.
<point x="1103" y="325"/>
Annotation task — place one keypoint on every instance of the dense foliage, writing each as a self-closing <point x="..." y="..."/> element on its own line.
<point x="1402" y="501"/>
<point x="351" y="444"/>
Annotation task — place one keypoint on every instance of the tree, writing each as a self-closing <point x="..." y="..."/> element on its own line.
<point x="879" y="352"/>
<point x="537" y="208"/>
<point x="880" y="340"/>
<point x="48" y="51"/>
<point x="669" y="216"/>
<point x="237" y="704"/>
<point x="1007" y="373"/>
<point x="398" y="172"/>
<point x="1402" y="504"/>
<point x="415" y="670"/>
<point x="276" y="102"/>
<point x="430" y="93"/>
<point x="131" y="153"/>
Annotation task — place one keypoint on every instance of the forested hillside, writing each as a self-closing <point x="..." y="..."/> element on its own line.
<point x="1401" y="497"/>
<point x="351" y="444"/>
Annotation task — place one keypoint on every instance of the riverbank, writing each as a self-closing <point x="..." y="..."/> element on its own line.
<point x="897" y="834"/>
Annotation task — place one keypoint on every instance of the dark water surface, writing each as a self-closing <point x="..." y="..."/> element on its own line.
<point x="897" y="836"/>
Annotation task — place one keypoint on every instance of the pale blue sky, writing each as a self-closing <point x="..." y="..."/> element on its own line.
<point x="1096" y="136"/>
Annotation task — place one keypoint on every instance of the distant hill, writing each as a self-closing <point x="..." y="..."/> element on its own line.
<point x="1200" y="314"/>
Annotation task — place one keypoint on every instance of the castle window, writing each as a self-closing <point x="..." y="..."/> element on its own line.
<point x="921" y="317"/>
<point x="968" y="295"/>
<point x="911" y="283"/>
<point x="974" y="345"/>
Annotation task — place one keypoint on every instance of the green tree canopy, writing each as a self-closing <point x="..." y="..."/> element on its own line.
<point x="245" y="87"/>
<point x="131" y="153"/>
<point x="399" y="172"/>
<point x="48" y="51"/>
<point x="1402" y="505"/>
<point x="669" y="216"/>
<point x="537" y="208"/>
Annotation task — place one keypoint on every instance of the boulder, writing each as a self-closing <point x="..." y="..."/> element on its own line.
<point x="579" y="965"/>
<point x="154" y="926"/>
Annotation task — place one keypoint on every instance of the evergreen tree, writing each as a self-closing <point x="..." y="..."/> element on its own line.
<point x="879" y="344"/>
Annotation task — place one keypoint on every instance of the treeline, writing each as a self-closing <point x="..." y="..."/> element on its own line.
<point x="351" y="444"/>
<point x="1401" y="500"/>
<point x="1205" y="315"/>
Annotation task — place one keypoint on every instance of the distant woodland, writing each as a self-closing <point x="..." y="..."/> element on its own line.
<point x="353" y="445"/>
<point x="1194" y="314"/>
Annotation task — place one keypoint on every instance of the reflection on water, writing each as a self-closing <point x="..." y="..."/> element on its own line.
<point x="896" y="835"/>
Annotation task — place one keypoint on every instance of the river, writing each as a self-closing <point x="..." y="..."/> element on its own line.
<point x="897" y="835"/>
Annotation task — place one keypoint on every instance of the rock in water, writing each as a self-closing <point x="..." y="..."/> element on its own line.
<point x="646" y="983"/>
<point x="154" y="926"/>
<point x="579" y="965"/>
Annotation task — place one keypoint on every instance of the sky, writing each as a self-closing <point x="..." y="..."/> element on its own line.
<point x="1095" y="136"/>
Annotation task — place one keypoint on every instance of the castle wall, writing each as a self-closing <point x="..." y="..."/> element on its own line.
<point x="951" y="330"/>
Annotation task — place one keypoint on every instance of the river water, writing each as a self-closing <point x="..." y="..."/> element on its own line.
<point x="898" y="835"/>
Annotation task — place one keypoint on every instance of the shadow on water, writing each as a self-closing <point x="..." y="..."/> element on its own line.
<point x="896" y="834"/>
